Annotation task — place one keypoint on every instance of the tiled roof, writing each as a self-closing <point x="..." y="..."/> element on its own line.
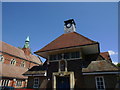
<point x="102" y="65"/>
<point x="36" y="70"/>
<point x="105" y="55"/>
<point x="4" y="47"/>
<point x="8" y="70"/>
<point x="67" y="40"/>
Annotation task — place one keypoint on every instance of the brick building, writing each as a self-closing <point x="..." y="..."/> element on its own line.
<point x="73" y="62"/>
<point x="14" y="62"/>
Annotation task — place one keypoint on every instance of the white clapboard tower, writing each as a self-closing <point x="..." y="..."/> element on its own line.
<point x="69" y="26"/>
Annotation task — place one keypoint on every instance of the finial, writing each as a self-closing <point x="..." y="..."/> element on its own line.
<point x="27" y="39"/>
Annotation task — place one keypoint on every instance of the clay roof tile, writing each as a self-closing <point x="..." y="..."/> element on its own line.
<point x="4" y="47"/>
<point x="105" y="55"/>
<point x="67" y="40"/>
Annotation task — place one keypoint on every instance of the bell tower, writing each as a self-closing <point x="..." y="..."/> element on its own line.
<point x="69" y="26"/>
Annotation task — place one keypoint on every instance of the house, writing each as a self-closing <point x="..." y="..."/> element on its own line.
<point x="73" y="61"/>
<point x="14" y="62"/>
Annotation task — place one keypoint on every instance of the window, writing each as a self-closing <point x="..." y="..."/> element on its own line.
<point x="100" y="83"/>
<point x="68" y="55"/>
<point x="5" y="82"/>
<point x="13" y="61"/>
<point x="1" y="58"/>
<point x="75" y="55"/>
<point x="22" y="64"/>
<point x="19" y="83"/>
<point x="56" y="57"/>
<point x="36" y="83"/>
<point x="53" y="57"/>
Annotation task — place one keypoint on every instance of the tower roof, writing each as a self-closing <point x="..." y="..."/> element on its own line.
<point x="67" y="40"/>
<point x="27" y="39"/>
<point x="26" y="45"/>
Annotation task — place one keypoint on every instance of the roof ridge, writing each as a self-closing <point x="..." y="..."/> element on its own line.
<point x="11" y="46"/>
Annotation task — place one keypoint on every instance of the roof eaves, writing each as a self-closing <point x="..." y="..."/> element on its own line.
<point x="66" y="47"/>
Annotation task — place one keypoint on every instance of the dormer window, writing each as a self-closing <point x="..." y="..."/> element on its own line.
<point x="1" y="58"/>
<point x="13" y="61"/>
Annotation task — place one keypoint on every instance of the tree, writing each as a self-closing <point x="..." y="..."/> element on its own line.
<point x="19" y="47"/>
<point x="118" y="65"/>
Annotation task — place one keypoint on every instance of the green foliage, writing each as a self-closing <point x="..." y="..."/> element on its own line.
<point x="118" y="65"/>
<point x="19" y="47"/>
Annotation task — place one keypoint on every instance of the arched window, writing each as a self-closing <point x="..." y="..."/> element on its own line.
<point x="22" y="64"/>
<point x="1" y="58"/>
<point x="13" y="61"/>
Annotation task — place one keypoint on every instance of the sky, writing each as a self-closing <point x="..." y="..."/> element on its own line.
<point x="44" y="22"/>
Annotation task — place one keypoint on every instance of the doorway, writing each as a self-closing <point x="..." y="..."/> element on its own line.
<point x="63" y="82"/>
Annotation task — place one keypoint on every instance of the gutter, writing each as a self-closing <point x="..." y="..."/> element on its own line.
<point x="96" y="73"/>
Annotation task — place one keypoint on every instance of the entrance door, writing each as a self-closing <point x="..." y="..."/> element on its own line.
<point x="63" y="83"/>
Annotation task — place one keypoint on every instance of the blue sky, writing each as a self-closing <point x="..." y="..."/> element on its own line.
<point x="44" y="22"/>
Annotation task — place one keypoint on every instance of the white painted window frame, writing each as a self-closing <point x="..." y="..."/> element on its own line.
<point x="0" y="82"/>
<point x="2" y="58"/>
<point x="13" y="62"/>
<point x="34" y="85"/>
<point x="102" y="81"/>
<point x="19" y="83"/>
<point x="22" y="64"/>
<point x="5" y="82"/>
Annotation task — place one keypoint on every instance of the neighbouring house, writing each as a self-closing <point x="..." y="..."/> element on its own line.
<point x="73" y="61"/>
<point x="14" y="62"/>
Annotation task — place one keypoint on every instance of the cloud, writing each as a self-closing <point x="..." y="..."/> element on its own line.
<point x="112" y="52"/>
<point x="115" y="63"/>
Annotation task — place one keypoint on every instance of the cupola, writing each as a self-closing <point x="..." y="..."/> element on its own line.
<point x="27" y="42"/>
<point x="69" y="26"/>
<point x="26" y="48"/>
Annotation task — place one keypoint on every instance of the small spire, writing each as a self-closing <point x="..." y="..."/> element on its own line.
<point x="27" y="42"/>
<point x="27" y="39"/>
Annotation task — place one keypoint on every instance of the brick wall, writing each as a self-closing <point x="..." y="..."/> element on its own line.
<point x="7" y="60"/>
<point x="110" y="81"/>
